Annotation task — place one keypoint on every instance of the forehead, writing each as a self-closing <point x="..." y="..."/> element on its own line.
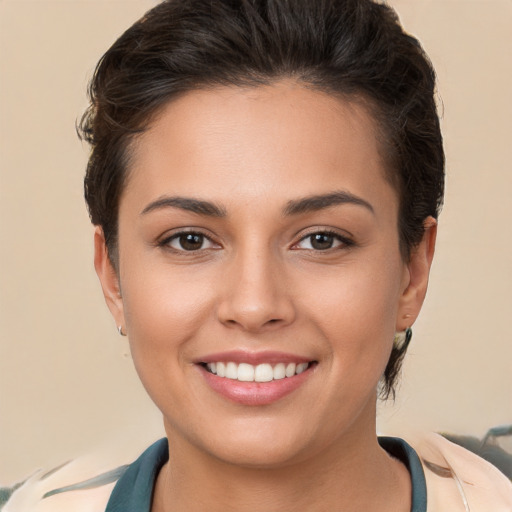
<point x="244" y="142"/>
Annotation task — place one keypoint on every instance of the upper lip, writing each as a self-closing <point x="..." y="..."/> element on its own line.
<point x="253" y="358"/>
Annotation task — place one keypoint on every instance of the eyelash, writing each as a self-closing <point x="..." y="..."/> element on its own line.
<point x="166" y="242"/>
<point x="344" y="242"/>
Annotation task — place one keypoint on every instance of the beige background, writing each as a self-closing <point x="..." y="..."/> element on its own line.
<point x="66" y="381"/>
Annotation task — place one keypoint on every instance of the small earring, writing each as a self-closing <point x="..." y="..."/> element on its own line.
<point x="120" y="330"/>
<point x="402" y="339"/>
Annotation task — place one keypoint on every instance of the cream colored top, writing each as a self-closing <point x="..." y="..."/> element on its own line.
<point x="457" y="481"/>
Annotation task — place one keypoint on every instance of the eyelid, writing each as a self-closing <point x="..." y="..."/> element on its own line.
<point x="165" y="240"/>
<point x="345" y="238"/>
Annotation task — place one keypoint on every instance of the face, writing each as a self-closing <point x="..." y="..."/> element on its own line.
<point x="260" y="278"/>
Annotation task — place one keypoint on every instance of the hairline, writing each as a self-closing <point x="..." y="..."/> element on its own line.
<point x="370" y="106"/>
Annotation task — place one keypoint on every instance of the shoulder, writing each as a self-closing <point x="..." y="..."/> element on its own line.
<point x="457" y="479"/>
<point x="82" y="485"/>
<point x="91" y="483"/>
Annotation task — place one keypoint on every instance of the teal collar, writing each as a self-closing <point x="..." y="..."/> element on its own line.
<point x="134" y="490"/>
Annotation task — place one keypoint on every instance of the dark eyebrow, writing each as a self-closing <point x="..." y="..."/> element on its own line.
<point x="186" y="203"/>
<point x="319" y="202"/>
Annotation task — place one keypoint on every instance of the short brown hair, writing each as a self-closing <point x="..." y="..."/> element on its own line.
<point x="353" y="48"/>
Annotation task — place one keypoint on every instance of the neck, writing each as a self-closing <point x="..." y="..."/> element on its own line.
<point x="352" y="474"/>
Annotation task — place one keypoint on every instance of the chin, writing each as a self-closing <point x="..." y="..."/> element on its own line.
<point x="260" y="453"/>
<point x="250" y="442"/>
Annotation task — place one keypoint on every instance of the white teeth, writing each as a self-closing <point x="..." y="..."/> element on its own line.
<point x="290" y="369"/>
<point x="245" y="372"/>
<point x="231" y="371"/>
<point x="263" y="373"/>
<point x="301" y="367"/>
<point x="221" y="369"/>
<point x="279" y="371"/>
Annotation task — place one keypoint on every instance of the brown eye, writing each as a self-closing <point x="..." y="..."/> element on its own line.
<point x="321" y="241"/>
<point x="189" y="241"/>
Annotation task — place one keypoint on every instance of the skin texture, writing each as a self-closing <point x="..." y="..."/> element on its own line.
<point x="257" y="284"/>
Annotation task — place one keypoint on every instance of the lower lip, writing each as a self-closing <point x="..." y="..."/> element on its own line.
<point x="255" y="393"/>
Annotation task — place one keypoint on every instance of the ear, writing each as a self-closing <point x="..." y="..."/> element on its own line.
<point x="109" y="278"/>
<point x="416" y="277"/>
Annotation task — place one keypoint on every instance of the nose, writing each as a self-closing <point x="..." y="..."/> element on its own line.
<point x="255" y="294"/>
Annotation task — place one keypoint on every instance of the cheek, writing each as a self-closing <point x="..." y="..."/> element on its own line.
<point x="164" y="309"/>
<point x="355" y="308"/>
<point x="164" y="313"/>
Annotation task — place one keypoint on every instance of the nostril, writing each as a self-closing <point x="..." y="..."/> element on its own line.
<point x="253" y="314"/>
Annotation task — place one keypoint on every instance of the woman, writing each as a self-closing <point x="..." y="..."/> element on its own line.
<point x="265" y="180"/>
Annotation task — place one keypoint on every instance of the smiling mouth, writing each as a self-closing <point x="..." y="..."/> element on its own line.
<point x="244" y="372"/>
